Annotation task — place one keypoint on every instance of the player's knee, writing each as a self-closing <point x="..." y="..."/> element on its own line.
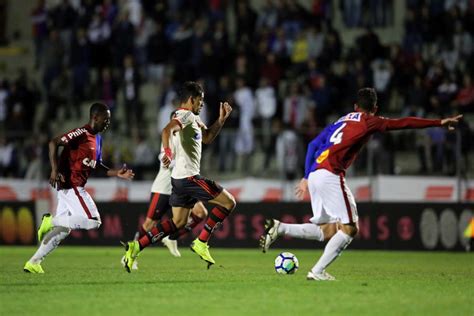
<point x="180" y="222"/>
<point x="230" y="203"/>
<point x="350" y="229"/>
<point x="200" y="212"/>
<point x="329" y="230"/>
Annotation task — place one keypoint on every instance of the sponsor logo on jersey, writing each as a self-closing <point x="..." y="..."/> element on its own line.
<point x="322" y="156"/>
<point x="76" y="133"/>
<point x="89" y="162"/>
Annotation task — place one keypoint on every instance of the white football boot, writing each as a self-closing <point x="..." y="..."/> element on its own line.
<point x="172" y="246"/>
<point x="270" y="235"/>
<point x="323" y="276"/>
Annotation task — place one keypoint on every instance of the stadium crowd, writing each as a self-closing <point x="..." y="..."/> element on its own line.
<point x="284" y="67"/>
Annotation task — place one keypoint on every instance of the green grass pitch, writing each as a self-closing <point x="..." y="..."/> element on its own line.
<point x="91" y="281"/>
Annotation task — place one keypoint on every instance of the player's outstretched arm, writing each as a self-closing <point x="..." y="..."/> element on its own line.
<point x="123" y="172"/>
<point x="451" y="122"/>
<point x="209" y="134"/>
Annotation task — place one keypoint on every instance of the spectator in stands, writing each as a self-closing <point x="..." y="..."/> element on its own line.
<point x="64" y="18"/>
<point x="130" y="85"/>
<point x="99" y="33"/>
<point x="4" y="92"/>
<point x="267" y="16"/>
<point x="266" y="104"/>
<point x="227" y="136"/>
<point x="80" y="63"/>
<point x="144" y="158"/>
<point x="271" y="70"/>
<point x="108" y="87"/>
<point x="289" y="154"/>
<point x="167" y="103"/>
<point x="381" y="77"/>
<point x="9" y="162"/>
<point x="465" y="97"/>
<point x="39" y="19"/>
<point x="53" y="60"/>
<point x="157" y="54"/>
<point x="437" y="137"/>
<point x="244" y="143"/>
<point x="295" y="107"/>
<point x="352" y="12"/>
<point x="123" y="35"/>
<point x="246" y="20"/>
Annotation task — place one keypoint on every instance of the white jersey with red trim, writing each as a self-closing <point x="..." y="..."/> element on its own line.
<point x="162" y="182"/>
<point x="188" y="145"/>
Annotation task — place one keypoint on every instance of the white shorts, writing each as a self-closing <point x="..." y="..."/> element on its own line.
<point x="331" y="199"/>
<point x="76" y="210"/>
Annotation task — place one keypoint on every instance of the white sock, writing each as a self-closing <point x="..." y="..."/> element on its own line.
<point x="76" y="222"/>
<point x="304" y="231"/>
<point x="50" y="242"/>
<point x="333" y="249"/>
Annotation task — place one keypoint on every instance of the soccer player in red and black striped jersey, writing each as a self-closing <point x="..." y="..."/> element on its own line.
<point x="328" y="156"/>
<point x="81" y="154"/>
<point x="189" y="187"/>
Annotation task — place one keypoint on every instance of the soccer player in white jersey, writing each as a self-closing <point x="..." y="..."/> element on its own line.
<point x="160" y="205"/>
<point x="189" y="186"/>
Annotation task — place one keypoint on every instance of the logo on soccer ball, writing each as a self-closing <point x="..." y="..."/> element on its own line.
<point x="286" y="263"/>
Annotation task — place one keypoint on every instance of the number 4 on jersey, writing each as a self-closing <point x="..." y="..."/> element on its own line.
<point x="336" y="137"/>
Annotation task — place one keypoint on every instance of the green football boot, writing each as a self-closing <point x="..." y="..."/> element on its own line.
<point x="33" y="268"/>
<point x="132" y="249"/>
<point x="46" y="226"/>
<point x="202" y="249"/>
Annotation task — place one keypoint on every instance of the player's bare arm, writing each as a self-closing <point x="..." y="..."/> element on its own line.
<point x="55" y="178"/>
<point x="209" y="134"/>
<point x="301" y="189"/>
<point x="123" y="173"/>
<point x="450" y="122"/>
<point x="173" y="126"/>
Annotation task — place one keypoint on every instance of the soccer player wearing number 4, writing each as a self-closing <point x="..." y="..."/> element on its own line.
<point x="328" y="156"/>
<point x="188" y="185"/>
<point x="82" y="153"/>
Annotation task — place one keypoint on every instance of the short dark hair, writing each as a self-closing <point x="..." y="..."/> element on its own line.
<point x="189" y="89"/>
<point x="98" y="108"/>
<point x="367" y="98"/>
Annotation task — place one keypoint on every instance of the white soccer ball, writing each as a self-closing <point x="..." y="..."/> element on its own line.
<point x="286" y="263"/>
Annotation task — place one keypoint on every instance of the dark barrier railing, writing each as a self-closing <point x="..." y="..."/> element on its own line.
<point x="403" y="226"/>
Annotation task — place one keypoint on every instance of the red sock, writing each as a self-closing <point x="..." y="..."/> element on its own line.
<point x="162" y="229"/>
<point x="195" y="220"/>
<point x="216" y="217"/>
